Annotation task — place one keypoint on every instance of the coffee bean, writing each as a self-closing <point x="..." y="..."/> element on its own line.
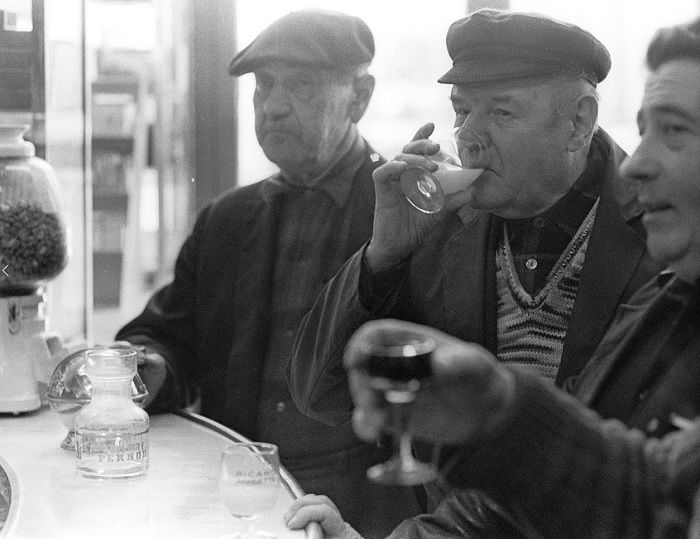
<point x="32" y="244"/>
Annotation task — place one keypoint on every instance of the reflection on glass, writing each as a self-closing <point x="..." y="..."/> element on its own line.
<point x="398" y="365"/>
<point x="459" y="161"/>
<point x="249" y="483"/>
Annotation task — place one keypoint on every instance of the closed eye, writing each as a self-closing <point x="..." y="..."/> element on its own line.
<point x="461" y="114"/>
<point x="502" y="113"/>
<point x="673" y="129"/>
<point x="262" y="84"/>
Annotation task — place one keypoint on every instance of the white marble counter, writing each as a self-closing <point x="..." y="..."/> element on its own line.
<point x="177" y="498"/>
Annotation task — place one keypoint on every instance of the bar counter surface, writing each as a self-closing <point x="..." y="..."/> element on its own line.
<point x="178" y="497"/>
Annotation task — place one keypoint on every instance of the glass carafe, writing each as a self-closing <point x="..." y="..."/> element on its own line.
<point x="111" y="431"/>
<point x="32" y="227"/>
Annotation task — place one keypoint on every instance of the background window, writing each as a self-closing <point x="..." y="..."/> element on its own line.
<point x="411" y="55"/>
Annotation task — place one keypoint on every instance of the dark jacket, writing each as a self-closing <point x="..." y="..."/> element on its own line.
<point x="632" y="377"/>
<point x="566" y="473"/>
<point x="211" y="321"/>
<point x="212" y="324"/>
<point x="671" y="389"/>
<point x="450" y="283"/>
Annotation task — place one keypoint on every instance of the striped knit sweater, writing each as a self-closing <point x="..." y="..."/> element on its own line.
<point x="531" y="329"/>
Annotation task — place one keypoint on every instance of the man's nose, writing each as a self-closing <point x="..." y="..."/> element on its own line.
<point x="472" y="147"/>
<point x="474" y="129"/>
<point x="277" y="101"/>
<point x="641" y="165"/>
<point x="477" y="120"/>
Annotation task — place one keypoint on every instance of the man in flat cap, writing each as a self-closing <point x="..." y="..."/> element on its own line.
<point x="533" y="258"/>
<point x="258" y="256"/>
<point x="559" y="469"/>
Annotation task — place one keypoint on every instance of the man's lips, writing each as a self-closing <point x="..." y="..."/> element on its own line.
<point x="277" y="130"/>
<point x="657" y="214"/>
<point x="651" y="206"/>
<point x="482" y="168"/>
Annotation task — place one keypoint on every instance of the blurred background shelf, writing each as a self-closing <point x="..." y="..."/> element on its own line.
<point x="119" y="155"/>
<point x="120" y="145"/>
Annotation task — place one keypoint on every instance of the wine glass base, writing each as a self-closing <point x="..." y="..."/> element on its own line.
<point x="247" y="529"/>
<point x="68" y="442"/>
<point x="395" y="472"/>
<point x="422" y="190"/>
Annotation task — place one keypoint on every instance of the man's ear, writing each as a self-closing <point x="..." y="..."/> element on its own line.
<point x="363" y="87"/>
<point x="583" y="122"/>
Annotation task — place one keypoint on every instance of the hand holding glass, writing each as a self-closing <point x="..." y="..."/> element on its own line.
<point x="459" y="161"/>
<point x="397" y="366"/>
<point x="249" y="484"/>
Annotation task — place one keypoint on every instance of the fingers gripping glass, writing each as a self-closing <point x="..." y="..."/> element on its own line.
<point x="459" y="161"/>
<point x="249" y="484"/>
<point x="398" y="365"/>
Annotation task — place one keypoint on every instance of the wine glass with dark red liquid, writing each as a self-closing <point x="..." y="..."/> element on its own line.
<point x="398" y="364"/>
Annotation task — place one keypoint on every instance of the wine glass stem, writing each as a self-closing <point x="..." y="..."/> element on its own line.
<point x="400" y="413"/>
<point x="405" y="451"/>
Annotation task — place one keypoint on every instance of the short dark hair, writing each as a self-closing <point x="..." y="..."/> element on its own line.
<point x="674" y="43"/>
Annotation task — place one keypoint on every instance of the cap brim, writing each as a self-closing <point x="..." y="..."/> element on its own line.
<point x="501" y="69"/>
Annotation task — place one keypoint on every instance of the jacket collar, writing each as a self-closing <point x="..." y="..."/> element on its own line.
<point x="620" y="189"/>
<point x="609" y="267"/>
<point x="337" y="183"/>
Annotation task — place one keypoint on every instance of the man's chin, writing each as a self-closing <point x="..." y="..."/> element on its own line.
<point x="677" y="253"/>
<point x="687" y="268"/>
<point x="283" y="157"/>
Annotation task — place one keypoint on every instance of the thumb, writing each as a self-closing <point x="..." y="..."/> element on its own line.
<point x="153" y="372"/>
<point x="385" y="176"/>
<point x="457" y="359"/>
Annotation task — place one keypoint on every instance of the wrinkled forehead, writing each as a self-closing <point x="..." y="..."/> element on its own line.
<point x="283" y="69"/>
<point x="507" y="90"/>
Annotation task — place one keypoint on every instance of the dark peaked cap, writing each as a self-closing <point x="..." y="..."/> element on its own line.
<point x="312" y="37"/>
<point x="493" y="45"/>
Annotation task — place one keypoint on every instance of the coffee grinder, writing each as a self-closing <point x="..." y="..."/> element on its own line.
<point x="32" y="252"/>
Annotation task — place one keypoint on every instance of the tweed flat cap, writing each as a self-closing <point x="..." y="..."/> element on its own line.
<point x="492" y="45"/>
<point x="311" y="37"/>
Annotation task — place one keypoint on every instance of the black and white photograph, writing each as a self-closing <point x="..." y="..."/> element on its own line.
<point x="350" y="269"/>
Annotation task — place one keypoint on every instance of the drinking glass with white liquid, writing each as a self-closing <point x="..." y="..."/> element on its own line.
<point x="249" y="484"/>
<point x="459" y="161"/>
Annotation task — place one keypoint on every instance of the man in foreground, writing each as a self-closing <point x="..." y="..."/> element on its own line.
<point x="532" y="259"/>
<point x="259" y="255"/>
<point x="558" y="468"/>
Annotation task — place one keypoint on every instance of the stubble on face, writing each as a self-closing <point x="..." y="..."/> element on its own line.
<point x="667" y="165"/>
<point x="525" y="124"/>
<point x="302" y="119"/>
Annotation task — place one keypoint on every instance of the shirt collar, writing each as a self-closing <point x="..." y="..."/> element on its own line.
<point x="337" y="183"/>
<point x="668" y="279"/>
<point x="664" y="276"/>
<point x="688" y="293"/>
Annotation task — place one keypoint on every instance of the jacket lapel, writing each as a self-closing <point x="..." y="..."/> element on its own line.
<point x="624" y="343"/>
<point x="614" y="252"/>
<point x="611" y="351"/>
<point x="677" y="391"/>
<point x="357" y="217"/>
